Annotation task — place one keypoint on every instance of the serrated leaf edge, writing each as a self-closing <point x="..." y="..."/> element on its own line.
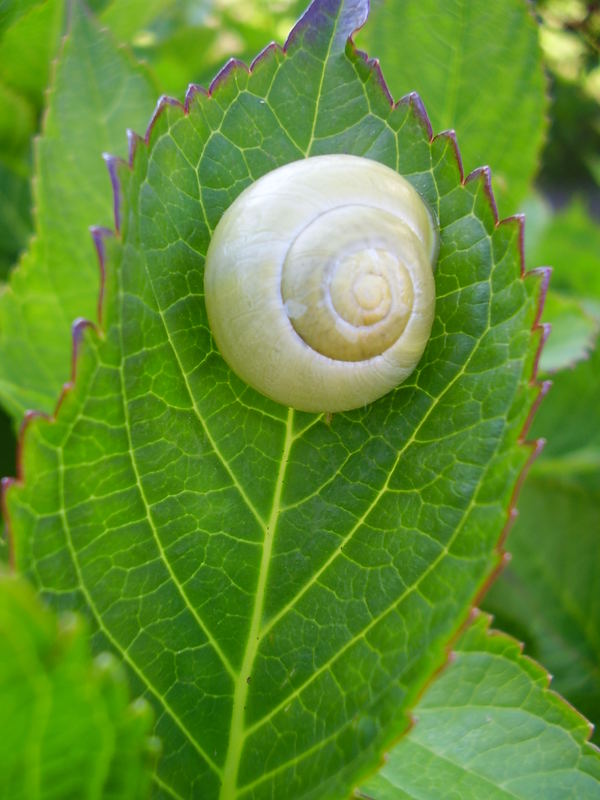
<point x="517" y="656"/>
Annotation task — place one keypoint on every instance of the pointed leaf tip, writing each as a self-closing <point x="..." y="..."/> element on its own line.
<point x="349" y="16"/>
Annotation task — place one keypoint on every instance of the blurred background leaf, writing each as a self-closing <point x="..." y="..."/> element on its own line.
<point x="548" y="595"/>
<point x="489" y="711"/>
<point x="67" y="726"/>
<point x="97" y="91"/>
<point x="478" y="68"/>
<point x="570" y="37"/>
<point x="27" y="47"/>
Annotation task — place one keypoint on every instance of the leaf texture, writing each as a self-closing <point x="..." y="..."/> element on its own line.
<point x="280" y="585"/>
<point x="490" y="727"/>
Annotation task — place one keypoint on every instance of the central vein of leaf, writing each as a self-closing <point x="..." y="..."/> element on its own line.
<point x="237" y="731"/>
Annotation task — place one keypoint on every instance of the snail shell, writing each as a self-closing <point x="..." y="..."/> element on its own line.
<point x="319" y="282"/>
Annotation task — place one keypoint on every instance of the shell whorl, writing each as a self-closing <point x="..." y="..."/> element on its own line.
<point x="319" y="282"/>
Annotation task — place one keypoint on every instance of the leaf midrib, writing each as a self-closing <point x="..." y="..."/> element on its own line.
<point x="237" y="733"/>
<point x="443" y="553"/>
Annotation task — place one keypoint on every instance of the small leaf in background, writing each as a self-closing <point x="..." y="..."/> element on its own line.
<point x="569" y="35"/>
<point x="17" y="123"/>
<point x="15" y="214"/>
<point x="571" y="412"/>
<point x="67" y="727"/>
<point x="549" y="593"/>
<point x="573" y="334"/>
<point x="569" y="241"/>
<point x="259" y="569"/>
<point x="478" y="67"/>
<point x="490" y="727"/>
<point x="188" y="42"/>
<point x="27" y="46"/>
<point x="97" y="92"/>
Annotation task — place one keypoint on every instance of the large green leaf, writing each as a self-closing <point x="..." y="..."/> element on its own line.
<point x="478" y="67"/>
<point x="97" y="92"/>
<point x="281" y="585"/>
<point x="67" y="728"/>
<point x="573" y="334"/>
<point x="490" y="727"/>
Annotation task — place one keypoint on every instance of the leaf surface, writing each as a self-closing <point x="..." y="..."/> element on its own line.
<point x="280" y="585"/>
<point x="97" y="91"/>
<point x="478" y="67"/>
<point x="67" y="727"/>
<point x="490" y="727"/>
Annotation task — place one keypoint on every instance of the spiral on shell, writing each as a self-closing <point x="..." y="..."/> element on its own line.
<point x="319" y="282"/>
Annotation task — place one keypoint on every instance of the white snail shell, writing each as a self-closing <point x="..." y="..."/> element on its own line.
<point x="319" y="282"/>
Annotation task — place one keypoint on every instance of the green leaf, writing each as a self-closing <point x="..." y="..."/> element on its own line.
<point x="27" y="47"/>
<point x="548" y="594"/>
<point x="478" y="67"/>
<point x="281" y="585"/>
<point x="182" y="56"/>
<point x="569" y="241"/>
<point x="17" y="122"/>
<point x="570" y="419"/>
<point x="15" y="214"/>
<point x="124" y="19"/>
<point x="573" y="333"/>
<point x="66" y="724"/>
<point x="187" y="43"/>
<point x="8" y="452"/>
<point x="97" y="92"/>
<point x="11" y="10"/>
<point x="7" y="445"/>
<point x="490" y="727"/>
